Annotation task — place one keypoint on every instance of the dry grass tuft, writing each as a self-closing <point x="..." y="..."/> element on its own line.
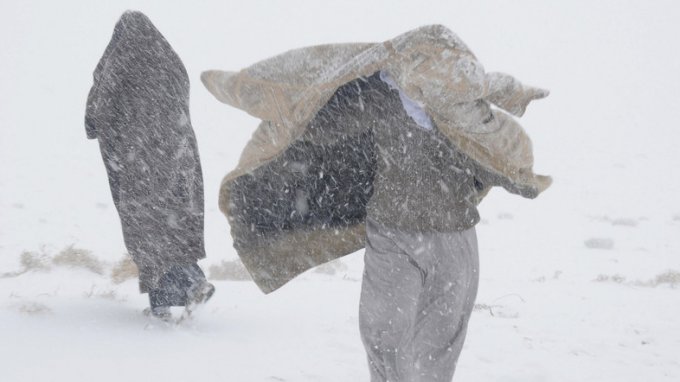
<point x="599" y="243"/>
<point x="30" y="261"/>
<point x="626" y="222"/>
<point x="125" y="269"/>
<point x="78" y="258"/>
<point x="34" y="308"/>
<point x="233" y="270"/>
<point x="331" y="267"/>
<point x="670" y="278"/>
<point x="613" y="278"/>
<point x="107" y="294"/>
<point x="35" y="261"/>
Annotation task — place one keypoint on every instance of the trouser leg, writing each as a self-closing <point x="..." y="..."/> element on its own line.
<point x="389" y="299"/>
<point x="444" y="307"/>
<point x="417" y="296"/>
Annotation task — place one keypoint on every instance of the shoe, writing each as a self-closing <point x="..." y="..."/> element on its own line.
<point x="182" y="285"/>
<point x="161" y="312"/>
<point x="200" y="293"/>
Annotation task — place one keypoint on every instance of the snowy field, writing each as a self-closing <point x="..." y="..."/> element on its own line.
<point x="581" y="284"/>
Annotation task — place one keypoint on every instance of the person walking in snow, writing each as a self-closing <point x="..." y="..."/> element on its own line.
<point x="138" y="110"/>
<point x="387" y="146"/>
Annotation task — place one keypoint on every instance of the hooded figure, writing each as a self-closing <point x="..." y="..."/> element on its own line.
<point x="386" y="146"/>
<point x="138" y="110"/>
<point x="280" y="228"/>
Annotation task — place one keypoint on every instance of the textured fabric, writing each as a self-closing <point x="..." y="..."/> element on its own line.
<point x="138" y="109"/>
<point x="417" y="295"/>
<point x="309" y="204"/>
<point x="413" y="108"/>
<point x="290" y="213"/>
<point x="175" y="286"/>
<point x="430" y="64"/>
<point x="422" y="183"/>
<point x="289" y="92"/>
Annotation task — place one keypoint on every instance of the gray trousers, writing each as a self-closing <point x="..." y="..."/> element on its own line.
<point x="417" y="295"/>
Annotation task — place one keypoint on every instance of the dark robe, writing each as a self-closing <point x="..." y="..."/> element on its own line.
<point x="138" y="109"/>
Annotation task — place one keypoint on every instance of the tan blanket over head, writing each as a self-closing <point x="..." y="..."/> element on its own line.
<point x="430" y="64"/>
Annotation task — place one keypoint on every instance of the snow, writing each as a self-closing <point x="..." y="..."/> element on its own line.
<point x="579" y="284"/>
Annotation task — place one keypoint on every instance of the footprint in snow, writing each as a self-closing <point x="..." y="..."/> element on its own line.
<point x="626" y="222"/>
<point x="599" y="243"/>
<point x="506" y="216"/>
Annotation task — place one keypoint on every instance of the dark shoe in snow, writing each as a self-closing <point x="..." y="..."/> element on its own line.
<point x="182" y="285"/>
<point x="163" y="313"/>
<point x="200" y="293"/>
<point x="197" y="295"/>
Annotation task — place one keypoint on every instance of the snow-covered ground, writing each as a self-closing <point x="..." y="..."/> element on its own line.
<point x="581" y="284"/>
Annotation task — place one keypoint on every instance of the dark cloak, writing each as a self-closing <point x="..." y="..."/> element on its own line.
<point x="138" y="109"/>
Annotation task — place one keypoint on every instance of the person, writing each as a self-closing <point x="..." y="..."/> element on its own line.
<point x="387" y="146"/>
<point x="138" y="110"/>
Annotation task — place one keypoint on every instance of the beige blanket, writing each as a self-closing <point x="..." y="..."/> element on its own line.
<point x="430" y="64"/>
